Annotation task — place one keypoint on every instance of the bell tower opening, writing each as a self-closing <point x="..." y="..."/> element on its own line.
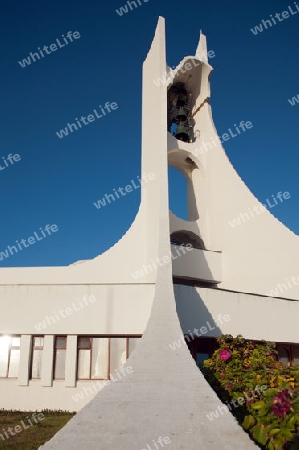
<point x="180" y="121"/>
<point x="178" y="203"/>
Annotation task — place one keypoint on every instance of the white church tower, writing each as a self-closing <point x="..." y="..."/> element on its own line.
<point x="223" y="280"/>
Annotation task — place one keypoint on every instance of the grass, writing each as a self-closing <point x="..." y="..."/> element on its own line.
<point x="27" y="436"/>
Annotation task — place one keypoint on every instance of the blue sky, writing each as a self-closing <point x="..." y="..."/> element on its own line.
<point x="57" y="180"/>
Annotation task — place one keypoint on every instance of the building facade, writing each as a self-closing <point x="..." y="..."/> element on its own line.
<point x="65" y="331"/>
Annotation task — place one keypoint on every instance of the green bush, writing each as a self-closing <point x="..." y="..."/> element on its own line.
<point x="266" y="392"/>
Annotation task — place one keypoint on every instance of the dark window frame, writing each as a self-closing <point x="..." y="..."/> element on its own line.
<point x="109" y="337"/>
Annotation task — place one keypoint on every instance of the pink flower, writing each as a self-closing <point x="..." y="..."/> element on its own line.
<point x="281" y="404"/>
<point x="224" y="354"/>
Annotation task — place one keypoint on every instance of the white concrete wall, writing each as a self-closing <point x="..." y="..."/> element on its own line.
<point x="35" y="396"/>
<point x="197" y="264"/>
<point x="115" y="309"/>
<point x="253" y="316"/>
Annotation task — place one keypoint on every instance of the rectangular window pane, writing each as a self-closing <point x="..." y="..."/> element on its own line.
<point x="117" y="353"/>
<point x="283" y="355"/>
<point x="84" y="364"/>
<point x="133" y="342"/>
<point x="38" y="342"/>
<point x="36" y="363"/>
<point x="296" y="355"/>
<point x="59" y="372"/>
<point x="14" y="364"/>
<point x="84" y="342"/>
<point x="100" y="354"/>
<point x="4" y="349"/>
<point x="15" y="342"/>
<point x="60" y="342"/>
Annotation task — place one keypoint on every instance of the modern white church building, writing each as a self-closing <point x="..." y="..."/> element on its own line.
<point x="65" y="331"/>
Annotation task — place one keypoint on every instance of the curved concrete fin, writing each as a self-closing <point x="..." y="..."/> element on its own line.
<point x="163" y="395"/>
<point x="202" y="48"/>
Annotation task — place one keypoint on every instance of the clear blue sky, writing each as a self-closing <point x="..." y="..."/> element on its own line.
<point x="57" y="180"/>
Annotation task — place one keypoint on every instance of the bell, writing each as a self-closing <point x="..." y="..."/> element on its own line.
<point x="181" y="116"/>
<point x="182" y="133"/>
<point x="182" y="99"/>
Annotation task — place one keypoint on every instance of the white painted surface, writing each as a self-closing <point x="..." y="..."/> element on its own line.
<point x="253" y="316"/>
<point x="117" y="309"/>
<point x="197" y="265"/>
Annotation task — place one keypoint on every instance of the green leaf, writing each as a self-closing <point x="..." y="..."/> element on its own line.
<point x="291" y="423"/>
<point x="274" y="432"/>
<point x="270" y="446"/>
<point x="258" y="405"/>
<point x="279" y="442"/>
<point x="259" y="434"/>
<point x="263" y="411"/>
<point x="287" y="434"/>
<point x="248" y="422"/>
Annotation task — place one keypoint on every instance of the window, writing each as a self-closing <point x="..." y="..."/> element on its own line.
<point x="201" y="348"/>
<point x="118" y="353"/>
<point x="133" y="342"/>
<point x="288" y="354"/>
<point x="37" y="354"/>
<point x="9" y="356"/>
<point x="284" y="354"/>
<point x="296" y="355"/>
<point x="93" y="358"/>
<point x="59" y="358"/>
<point x="98" y="357"/>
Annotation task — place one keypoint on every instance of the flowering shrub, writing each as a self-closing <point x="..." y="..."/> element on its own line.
<point x="238" y="368"/>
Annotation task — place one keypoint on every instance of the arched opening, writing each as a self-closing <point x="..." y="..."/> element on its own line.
<point x="183" y="237"/>
<point x="177" y="184"/>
